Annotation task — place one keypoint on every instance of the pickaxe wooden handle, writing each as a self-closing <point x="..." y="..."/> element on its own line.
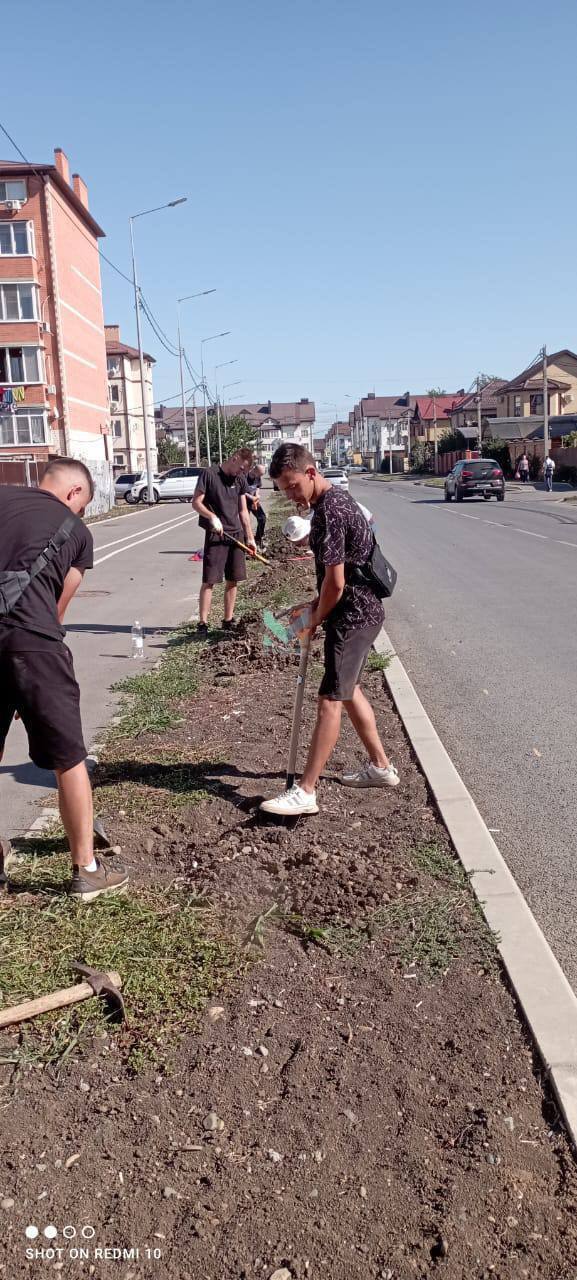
<point x="58" y="999"/>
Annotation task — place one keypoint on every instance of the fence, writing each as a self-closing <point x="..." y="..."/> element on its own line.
<point x="21" y="471"/>
<point x="28" y="472"/>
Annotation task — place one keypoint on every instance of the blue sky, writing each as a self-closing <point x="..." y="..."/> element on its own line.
<point x="382" y="194"/>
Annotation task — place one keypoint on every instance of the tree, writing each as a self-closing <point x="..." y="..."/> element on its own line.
<point x="239" y="434"/>
<point x="450" y="441"/>
<point x="170" y="454"/>
<point x="436" y="391"/>
<point x="485" y="378"/>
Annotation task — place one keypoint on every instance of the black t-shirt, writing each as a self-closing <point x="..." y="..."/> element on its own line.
<point x="29" y="518"/>
<point x="340" y="534"/>
<point x="253" y="483"/>
<point x="221" y="494"/>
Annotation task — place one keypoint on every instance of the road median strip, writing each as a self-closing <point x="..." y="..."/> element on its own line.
<point x="346" y="1052"/>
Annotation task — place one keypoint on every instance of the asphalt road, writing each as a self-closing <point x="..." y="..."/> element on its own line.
<point x="141" y="572"/>
<point x="484" y="618"/>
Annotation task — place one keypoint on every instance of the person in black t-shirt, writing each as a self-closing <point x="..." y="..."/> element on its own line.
<point x="352" y="616"/>
<point x="36" y="671"/>
<point x="220" y="499"/>
<point x="253" y="502"/>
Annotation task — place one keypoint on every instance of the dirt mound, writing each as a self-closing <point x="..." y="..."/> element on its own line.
<point x="280" y="550"/>
<point x="245" y="648"/>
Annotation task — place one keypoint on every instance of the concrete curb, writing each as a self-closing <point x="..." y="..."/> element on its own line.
<point x="547" y="1000"/>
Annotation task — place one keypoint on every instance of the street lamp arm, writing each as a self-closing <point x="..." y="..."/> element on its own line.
<point x="171" y="204"/>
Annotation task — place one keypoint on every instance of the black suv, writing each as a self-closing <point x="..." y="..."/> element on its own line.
<point x="479" y="476"/>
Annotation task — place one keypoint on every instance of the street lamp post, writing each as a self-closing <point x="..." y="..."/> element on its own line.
<point x="137" y="304"/>
<point x="187" y="298"/>
<point x="225" y="388"/>
<point x="220" y="366"/>
<point x="211" y="338"/>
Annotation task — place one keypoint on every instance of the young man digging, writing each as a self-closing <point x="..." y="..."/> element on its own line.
<point x="36" y="671"/>
<point x="352" y="615"/>
<point x="220" y="499"/>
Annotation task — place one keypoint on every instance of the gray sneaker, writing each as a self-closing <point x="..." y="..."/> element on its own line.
<point x="88" y="885"/>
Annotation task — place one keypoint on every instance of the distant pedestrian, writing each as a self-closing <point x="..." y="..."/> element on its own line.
<point x="253" y="502"/>
<point x="523" y="468"/>
<point x="549" y="472"/>
<point x="46" y="543"/>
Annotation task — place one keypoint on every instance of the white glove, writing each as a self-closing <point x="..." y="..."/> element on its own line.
<point x="216" y="524"/>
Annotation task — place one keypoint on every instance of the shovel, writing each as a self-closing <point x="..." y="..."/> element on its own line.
<point x="297" y="712"/>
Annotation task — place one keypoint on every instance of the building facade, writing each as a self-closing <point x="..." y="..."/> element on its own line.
<point x="125" y="400"/>
<point x="53" y="381"/>
<point x="339" y="444"/>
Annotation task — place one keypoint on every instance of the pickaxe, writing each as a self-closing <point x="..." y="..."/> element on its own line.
<point x="98" y="983"/>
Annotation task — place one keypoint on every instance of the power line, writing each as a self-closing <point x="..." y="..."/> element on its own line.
<point x="153" y="320"/>
<point x="156" y="328"/>
<point x="65" y="210"/>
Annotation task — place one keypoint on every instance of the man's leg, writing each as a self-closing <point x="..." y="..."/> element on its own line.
<point x="76" y="811"/>
<point x="229" y="600"/>
<point x="362" y="718"/>
<point x="260" y="525"/>
<point x="324" y="740"/>
<point x="204" y="602"/>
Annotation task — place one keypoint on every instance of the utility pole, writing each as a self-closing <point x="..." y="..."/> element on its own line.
<point x="545" y="408"/>
<point x="184" y="417"/>
<point x="436" y="442"/>
<point x="196" y="439"/>
<point x="390" y="445"/>
<point x="147" y="451"/>
<point x="479" y="427"/>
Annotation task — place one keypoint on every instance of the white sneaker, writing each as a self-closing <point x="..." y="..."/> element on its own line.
<point x="372" y="776"/>
<point x="291" y="803"/>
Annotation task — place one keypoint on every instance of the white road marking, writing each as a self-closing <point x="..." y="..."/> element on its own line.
<point x="138" y="543"/>
<point x="566" y="544"/>
<point x="137" y="533"/>
<point x="543" y="536"/>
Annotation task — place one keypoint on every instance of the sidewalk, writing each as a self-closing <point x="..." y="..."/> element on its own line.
<point x="358" y="1099"/>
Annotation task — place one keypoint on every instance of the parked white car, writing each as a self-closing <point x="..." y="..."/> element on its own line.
<point x="337" y="476"/>
<point x="178" y="482"/>
<point x="124" y="484"/>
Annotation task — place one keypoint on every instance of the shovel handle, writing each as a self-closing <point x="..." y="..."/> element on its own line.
<point x="297" y="713"/>
<point x="253" y="554"/>
<point x="55" y="1000"/>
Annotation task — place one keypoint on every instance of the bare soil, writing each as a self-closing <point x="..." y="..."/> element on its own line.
<point x="376" y="1106"/>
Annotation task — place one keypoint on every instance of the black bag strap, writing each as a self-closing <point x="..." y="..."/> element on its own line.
<point x="53" y="546"/>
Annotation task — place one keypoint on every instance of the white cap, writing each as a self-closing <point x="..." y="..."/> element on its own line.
<point x="367" y="514"/>
<point x="296" y="528"/>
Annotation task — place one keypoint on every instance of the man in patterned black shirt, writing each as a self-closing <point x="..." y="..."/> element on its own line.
<point x="352" y="616"/>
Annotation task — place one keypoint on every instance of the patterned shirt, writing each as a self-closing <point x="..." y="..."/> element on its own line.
<point x="340" y="535"/>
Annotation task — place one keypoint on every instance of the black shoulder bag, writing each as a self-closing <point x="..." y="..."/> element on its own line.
<point x="376" y="573"/>
<point x="13" y="582"/>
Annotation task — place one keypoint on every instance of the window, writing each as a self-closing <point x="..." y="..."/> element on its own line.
<point x="119" y="459"/>
<point x="536" y="403"/>
<point x="516" y="406"/>
<point x="113" y="366"/>
<point x="117" y="427"/>
<point x="18" y="302"/>
<point x="20" y="364"/>
<point x="13" y="190"/>
<point x="16" y="238"/>
<point x="114" y="394"/>
<point x="23" y="427"/>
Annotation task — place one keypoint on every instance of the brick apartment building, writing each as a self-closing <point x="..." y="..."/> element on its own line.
<point x="53" y="379"/>
<point x="125" y="397"/>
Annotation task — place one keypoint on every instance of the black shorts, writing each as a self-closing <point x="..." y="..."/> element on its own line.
<point x="345" y="656"/>
<point x="41" y="686"/>
<point x="222" y="560"/>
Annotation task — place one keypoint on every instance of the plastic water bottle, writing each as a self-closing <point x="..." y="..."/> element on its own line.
<point x="137" y="634"/>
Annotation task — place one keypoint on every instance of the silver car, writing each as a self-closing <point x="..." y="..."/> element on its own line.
<point x="337" y="476"/>
<point x="178" y="482"/>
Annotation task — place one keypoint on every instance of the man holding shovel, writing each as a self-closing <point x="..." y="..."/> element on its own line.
<point x="352" y="615"/>
<point x="220" y="499"/>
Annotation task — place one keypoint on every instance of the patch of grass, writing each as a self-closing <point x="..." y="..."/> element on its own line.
<point x="378" y="661"/>
<point x="162" y="943"/>
<point x="440" y="864"/>
<point x="150" y="700"/>
<point x="48" y="840"/>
